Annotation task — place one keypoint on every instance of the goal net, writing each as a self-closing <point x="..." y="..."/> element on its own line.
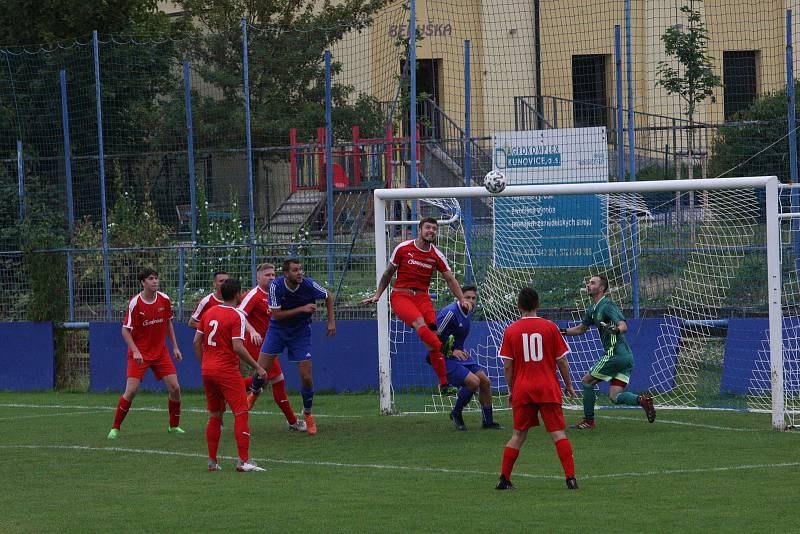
<point x="690" y="264"/>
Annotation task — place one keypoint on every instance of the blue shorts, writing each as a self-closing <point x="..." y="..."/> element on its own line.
<point x="457" y="370"/>
<point x="296" y="340"/>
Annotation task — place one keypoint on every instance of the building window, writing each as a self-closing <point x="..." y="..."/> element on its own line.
<point x="590" y="107"/>
<point x="740" y="81"/>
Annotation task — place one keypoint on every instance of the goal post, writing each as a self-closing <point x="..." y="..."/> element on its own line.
<point x="712" y="248"/>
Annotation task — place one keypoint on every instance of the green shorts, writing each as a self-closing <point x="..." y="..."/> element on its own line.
<point x="618" y="364"/>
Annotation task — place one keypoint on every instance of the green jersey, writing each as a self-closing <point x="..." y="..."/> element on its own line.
<point x="605" y="311"/>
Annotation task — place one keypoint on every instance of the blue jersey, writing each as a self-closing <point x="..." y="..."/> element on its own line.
<point x="279" y="296"/>
<point x="452" y="321"/>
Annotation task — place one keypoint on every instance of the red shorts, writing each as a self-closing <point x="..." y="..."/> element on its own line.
<point x="409" y="307"/>
<point x="274" y="370"/>
<point x="527" y="416"/>
<point x="225" y="388"/>
<point x="161" y="367"/>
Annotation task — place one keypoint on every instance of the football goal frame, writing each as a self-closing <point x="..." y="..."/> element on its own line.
<point x="769" y="185"/>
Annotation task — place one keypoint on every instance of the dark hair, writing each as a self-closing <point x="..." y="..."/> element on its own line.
<point x="428" y="220"/>
<point x="146" y="273"/>
<point x="287" y="264"/>
<point x="230" y="288"/>
<point x="604" y="281"/>
<point x="528" y="299"/>
<point x="469" y="287"/>
<point x="217" y="273"/>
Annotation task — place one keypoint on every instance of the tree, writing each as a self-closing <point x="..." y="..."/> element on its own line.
<point x="694" y="79"/>
<point x="286" y="45"/>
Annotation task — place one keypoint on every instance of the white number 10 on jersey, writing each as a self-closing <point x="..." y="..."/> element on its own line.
<point x="532" y="347"/>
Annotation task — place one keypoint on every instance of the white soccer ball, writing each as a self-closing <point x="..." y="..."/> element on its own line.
<point x="494" y="182"/>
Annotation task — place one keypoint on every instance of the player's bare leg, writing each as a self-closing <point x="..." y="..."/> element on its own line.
<point x="174" y="403"/>
<point x="123" y="405"/>
<point x="307" y="392"/>
<point x="564" y="451"/>
<point x="257" y="385"/>
<point x="589" y="397"/>
<point x="485" y="396"/>
<point x="510" y="455"/>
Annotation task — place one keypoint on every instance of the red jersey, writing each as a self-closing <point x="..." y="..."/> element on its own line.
<point x="208" y="302"/>
<point x="148" y="323"/>
<point x="534" y="344"/>
<point x="255" y="307"/>
<point x="220" y="326"/>
<point x="415" y="266"/>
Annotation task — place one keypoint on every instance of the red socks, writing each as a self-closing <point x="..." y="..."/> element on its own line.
<point x="282" y="400"/>
<point x="429" y="338"/>
<point x="437" y="359"/>
<point x="248" y="381"/>
<point x="564" y="450"/>
<point x="122" y="410"/>
<point x="213" y="432"/>
<point x="241" y="432"/>
<point x="509" y="457"/>
<point x="174" y="408"/>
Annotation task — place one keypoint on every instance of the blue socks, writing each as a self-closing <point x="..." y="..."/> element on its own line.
<point x="627" y="398"/>
<point x="488" y="416"/>
<point x="308" y="397"/>
<point x="464" y="396"/>
<point x="257" y="384"/>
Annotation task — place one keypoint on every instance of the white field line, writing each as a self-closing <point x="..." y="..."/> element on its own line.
<point x="58" y="414"/>
<point x="153" y="409"/>
<point x="436" y="470"/>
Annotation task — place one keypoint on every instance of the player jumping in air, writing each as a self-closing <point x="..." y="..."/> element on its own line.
<point x="292" y="300"/>
<point x="218" y="344"/>
<point x="147" y="322"/>
<point x="414" y="261"/>
<point x="255" y="307"/>
<point x="462" y="371"/>
<point x="616" y="365"/>
<point x="532" y="349"/>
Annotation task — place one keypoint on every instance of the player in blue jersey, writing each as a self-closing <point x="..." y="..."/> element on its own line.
<point x="462" y="371"/>
<point x="292" y="300"/>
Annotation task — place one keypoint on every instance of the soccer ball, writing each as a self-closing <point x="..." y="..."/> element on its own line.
<point x="494" y="182"/>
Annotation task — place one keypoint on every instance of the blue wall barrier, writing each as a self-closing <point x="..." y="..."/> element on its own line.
<point x="27" y="360"/>
<point x="746" y="346"/>
<point x="347" y="362"/>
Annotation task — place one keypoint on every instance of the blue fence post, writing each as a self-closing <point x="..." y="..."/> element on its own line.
<point x="187" y="97"/>
<point x="101" y="161"/>
<point x="467" y="158"/>
<point x="329" y="163"/>
<point x="20" y="181"/>
<point x="70" y="201"/>
<point x="620" y="113"/>
<point x="249" y="142"/>
<point x="412" y="97"/>
<point x="632" y="158"/>
<point x="792" y="115"/>
<point x="181" y="281"/>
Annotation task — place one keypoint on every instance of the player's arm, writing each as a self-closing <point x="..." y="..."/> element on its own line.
<point x="508" y="370"/>
<point x="197" y="344"/>
<point x="386" y="278"/>
<point x="455" y="288"/>
<point x="574" y="330"/>
<point x="280" y="315"/>
<point x="255" y="337"/>
<point x="126" y="335"/>
<point x="619" y="328"/>
<point x="331" y="318"/>
<point x="563" y="368"/>
<point x="193" y="323"/>
<point x="176" y="351"/>
<point x="241" y="352"/>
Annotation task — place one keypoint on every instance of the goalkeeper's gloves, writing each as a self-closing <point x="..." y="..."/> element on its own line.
<point x="563" y="331"/>
<point x="613" y="328"/>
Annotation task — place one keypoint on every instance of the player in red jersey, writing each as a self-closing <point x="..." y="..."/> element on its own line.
<point x="147" y="322"/>
<point x="219" y="345"/>
<point x="210" y="300"/>
<point x="532" y="349"/>
<point x="414" y="261"/>
<point x="255" y="307"/>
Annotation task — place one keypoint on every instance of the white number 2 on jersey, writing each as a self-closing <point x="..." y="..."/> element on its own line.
<point x="532" y="347"/>
<point x="214" y="324"/>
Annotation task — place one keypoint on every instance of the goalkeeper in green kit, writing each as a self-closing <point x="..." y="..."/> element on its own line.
<point x="616" y="364"/>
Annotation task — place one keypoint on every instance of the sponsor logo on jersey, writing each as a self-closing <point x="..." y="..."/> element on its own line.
<point x="420" y="264"/>
<point x="152" y="321"/>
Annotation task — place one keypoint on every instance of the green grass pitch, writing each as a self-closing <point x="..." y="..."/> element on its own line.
<point x="690" y="471"/>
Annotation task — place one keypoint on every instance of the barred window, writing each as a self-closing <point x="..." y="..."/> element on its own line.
<point x="740" y="80"/>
